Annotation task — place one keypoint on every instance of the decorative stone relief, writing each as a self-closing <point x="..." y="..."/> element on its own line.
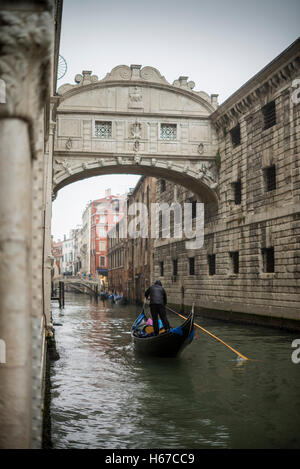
<point x="68" y="144"/>
<point x="25" y="52"/>
<point x="136" y="130"/>
<point x="86" y="78"/>
<point x="25" y="66"/>
<point x="135" y="98"/>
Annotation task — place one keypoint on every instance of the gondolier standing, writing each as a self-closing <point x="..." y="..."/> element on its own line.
<point x="158" y="300"/>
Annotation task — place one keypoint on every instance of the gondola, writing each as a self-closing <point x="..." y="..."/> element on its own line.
<point x="166" y="344"/>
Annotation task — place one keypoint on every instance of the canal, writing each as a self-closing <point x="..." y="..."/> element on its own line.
<point x="104" y="396"/>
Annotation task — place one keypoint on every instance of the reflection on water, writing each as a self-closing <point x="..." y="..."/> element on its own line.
<point x="104" y="396"/>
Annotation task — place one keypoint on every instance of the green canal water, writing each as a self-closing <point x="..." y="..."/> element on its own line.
<point x="105" y="396"/>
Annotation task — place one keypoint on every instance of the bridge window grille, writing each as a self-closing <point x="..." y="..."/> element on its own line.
<point x="168" y="131"/>
<point x="103" y="129"/>
<point x="269" y="114"/>
<point x="211" y="258"/>
<point x="268" y="260"/>
<point x="235" y="134"/>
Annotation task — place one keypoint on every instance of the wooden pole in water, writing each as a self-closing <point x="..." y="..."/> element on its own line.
<point x="212" y="335"/>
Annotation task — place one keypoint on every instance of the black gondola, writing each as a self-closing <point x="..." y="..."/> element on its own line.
<point x="166" y="344"/>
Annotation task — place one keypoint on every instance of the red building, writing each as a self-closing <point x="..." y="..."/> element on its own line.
<point x="105" y="213"/>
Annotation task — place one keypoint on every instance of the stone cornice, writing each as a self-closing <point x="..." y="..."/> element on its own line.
<point x="97" y="154"/>
<point x="135" y="76"/>
<point x="257" y="90"/>
<point x="133" y="114"/>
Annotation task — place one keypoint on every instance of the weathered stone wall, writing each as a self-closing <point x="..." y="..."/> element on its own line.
<point x="263" y="218"/>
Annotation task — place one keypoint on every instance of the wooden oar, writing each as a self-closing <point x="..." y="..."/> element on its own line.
<point x="212" y="335"/>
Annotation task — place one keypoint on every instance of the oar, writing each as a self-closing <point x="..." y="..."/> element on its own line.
<point x="212" y="335"/>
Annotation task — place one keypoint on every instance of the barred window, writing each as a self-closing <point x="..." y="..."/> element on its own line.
<point x="237" y="192"/>
<point x="270" y="178"/>
<point x="103" y="129"/>
<point x="161" y="269"/>
<point x="211" y="258"/>
<point x="269" y="114"/>
<point x="234" y="261"/>
<point x="168" y="131"/>
<point x="191" y="265"/>
<point x="268" y="260"/>
<point x="175" y="267"/>
<point x="235" y="134"/>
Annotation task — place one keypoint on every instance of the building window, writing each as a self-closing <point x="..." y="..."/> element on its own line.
<point x="270" y="178"/>
<point x="161" y="269"/>
<point x="162" y="185"/>
<point x="269" y="114"/>
<point x="235" y="134"/>
<point x="194" y="208"/>
<point x="234" y="256"/>
<point x="102" y="261"/>
<point x="191" y="266"/>
<point x="160" y="223"/>
<point x="237" y="192"/>
<point x="211" y="258"/>
<point x="268" y="260"/>
<point x="175" y="267"/>
<point x="103" y="129"/>
<point x="168" y="131"/>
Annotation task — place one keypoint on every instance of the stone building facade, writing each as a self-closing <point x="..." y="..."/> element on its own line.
<point x="249" y="266"/>
<point x="130" y="257"/>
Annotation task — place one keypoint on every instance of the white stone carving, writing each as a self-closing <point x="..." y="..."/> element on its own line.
<point x="135" y="98"/>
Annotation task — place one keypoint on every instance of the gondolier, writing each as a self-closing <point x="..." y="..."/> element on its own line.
<point x="158" y="300"/>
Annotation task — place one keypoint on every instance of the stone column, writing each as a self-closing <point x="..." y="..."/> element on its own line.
<point x="47" y="218"/>
<point x="15" y="282"/>
<point x="26" y="39"/>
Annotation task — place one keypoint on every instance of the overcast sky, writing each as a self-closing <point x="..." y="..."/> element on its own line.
<point x="219" y="44"/>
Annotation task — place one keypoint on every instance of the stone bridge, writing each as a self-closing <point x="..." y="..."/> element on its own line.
<point x="134" y="121"/>
<point x="80" y="284"/>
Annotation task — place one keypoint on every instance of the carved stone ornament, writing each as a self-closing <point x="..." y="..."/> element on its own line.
<point x="135" y="98"/>
<point x="200" y="148"/>
<point x="69" y="144"/>
<point x="25" y="58"/>
<point x="136" y="130"/>
<point x="136" y="146"/>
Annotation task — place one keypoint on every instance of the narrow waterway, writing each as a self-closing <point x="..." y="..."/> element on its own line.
<point x="104" y="396"/>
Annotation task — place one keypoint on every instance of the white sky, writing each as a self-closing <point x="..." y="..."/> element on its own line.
<point x="219" y="44"/>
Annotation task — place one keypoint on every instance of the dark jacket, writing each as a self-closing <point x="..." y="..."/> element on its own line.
<point x="157" y="294"/>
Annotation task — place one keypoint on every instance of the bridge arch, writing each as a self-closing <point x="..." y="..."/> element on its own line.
<point x="134" y="121"/>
